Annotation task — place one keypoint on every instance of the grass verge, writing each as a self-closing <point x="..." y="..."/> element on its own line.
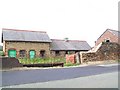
<point x="45" y="60"/>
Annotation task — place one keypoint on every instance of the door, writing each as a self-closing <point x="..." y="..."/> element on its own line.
<point x="12" y="53"/>
<point x="32" y="54"/>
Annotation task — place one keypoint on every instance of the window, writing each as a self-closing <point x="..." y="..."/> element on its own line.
<point x="67" y="52"/>
<point x="22" y="53"/>
<point x="57" y="53"/>
<point x="42" y="53"/>
<point x="107" y="40"/>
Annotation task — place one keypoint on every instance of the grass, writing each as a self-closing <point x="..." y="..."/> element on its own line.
<point x="1" y="53"/>
<point x="46" y="60"/>
<point x="119" y="61"/>
<point x="41" y="60"/>
<point x="70" y="64"/>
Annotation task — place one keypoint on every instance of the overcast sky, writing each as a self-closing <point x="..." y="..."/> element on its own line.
<point x="75" y="19"/>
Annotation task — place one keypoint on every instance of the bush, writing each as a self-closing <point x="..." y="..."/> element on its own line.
<point x="2" y="53"/>
<point x="41" y="60"/>
<point x="46" y="60"/>
<point x="119" y="61"/>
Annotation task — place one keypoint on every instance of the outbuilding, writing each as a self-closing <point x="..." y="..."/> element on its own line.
<point x="37" y="44"/>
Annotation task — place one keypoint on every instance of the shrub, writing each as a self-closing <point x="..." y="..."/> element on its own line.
<point x="46" y="60"/>
<point x="2" y="53"/>
<point x="41" y="60"/>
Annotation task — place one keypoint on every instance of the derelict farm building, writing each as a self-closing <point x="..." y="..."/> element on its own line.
<point x="109" y="36"/>
<point x="31" y="44"/>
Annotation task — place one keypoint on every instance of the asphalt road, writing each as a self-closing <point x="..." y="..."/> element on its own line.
<point x="45" y="75"/>
<point x="106" y="80"/>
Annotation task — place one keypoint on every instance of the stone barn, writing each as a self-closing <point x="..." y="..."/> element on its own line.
<point x="59" y="48"/>
<point x="24" y="43"/>
<point x="37" y="44"/>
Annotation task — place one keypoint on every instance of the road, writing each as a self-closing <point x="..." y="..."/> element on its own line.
<point x="106" y="80"/>
<point x="44" y="75"/>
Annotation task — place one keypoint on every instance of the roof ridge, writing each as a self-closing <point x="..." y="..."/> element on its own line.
<point x="112" y="30"/>
<point x="69" y="40"/>
<point x="58" y="39"/>
<point x="23" y="30"/>
<point x="106" y="31"/>
<point x="77" y="40"/>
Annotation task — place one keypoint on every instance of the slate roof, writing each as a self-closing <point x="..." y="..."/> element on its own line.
<point x="24" y="35"/>
<point x="114" y="32"/>
<point x="69" y="45"/>
<point x="117" y="33"/>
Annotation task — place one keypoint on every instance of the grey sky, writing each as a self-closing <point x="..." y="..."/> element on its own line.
<point x="75" y="19"/>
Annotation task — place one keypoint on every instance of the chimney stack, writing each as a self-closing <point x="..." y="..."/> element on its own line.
<point x="66" y="39"/>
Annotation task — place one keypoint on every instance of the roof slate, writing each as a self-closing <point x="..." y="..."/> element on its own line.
<point x="40" y="36"/>
<point x="24" y="35"/>
<point x="69" y="45"/>
<point x="115" y="32"/>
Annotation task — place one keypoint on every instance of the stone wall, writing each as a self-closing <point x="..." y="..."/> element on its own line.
<point x="107" y="51"/>
<point x="37" y="46"/>
<point x="9" y="62"/>
<point x="61" y="54"/>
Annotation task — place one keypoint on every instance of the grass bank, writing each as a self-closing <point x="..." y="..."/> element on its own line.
<point x="45" y="61"/>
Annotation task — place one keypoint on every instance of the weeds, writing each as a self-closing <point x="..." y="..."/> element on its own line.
<point x="41" y="60"/>
<point x="45" y="60"/>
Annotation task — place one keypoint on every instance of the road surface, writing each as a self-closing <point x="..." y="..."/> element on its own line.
<point x="45" y="75"/>
<point x="106" y="80"/>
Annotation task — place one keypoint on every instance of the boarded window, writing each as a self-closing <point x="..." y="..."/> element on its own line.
<point x="22" y="53"/>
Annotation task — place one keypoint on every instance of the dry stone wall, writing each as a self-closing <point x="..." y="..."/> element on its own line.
<point x="107" y="51"/>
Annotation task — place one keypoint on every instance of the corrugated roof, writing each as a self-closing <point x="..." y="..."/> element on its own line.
<point x="25" y="35"/>
<point x="69" y="45"/>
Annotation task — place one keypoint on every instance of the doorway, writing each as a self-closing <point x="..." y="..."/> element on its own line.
<point x="32" y="54"/>
<point x="11" y="53"/>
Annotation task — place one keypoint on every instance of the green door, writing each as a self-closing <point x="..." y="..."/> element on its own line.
<point x="12" y="53"/>
<point x="32" y="54"/>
